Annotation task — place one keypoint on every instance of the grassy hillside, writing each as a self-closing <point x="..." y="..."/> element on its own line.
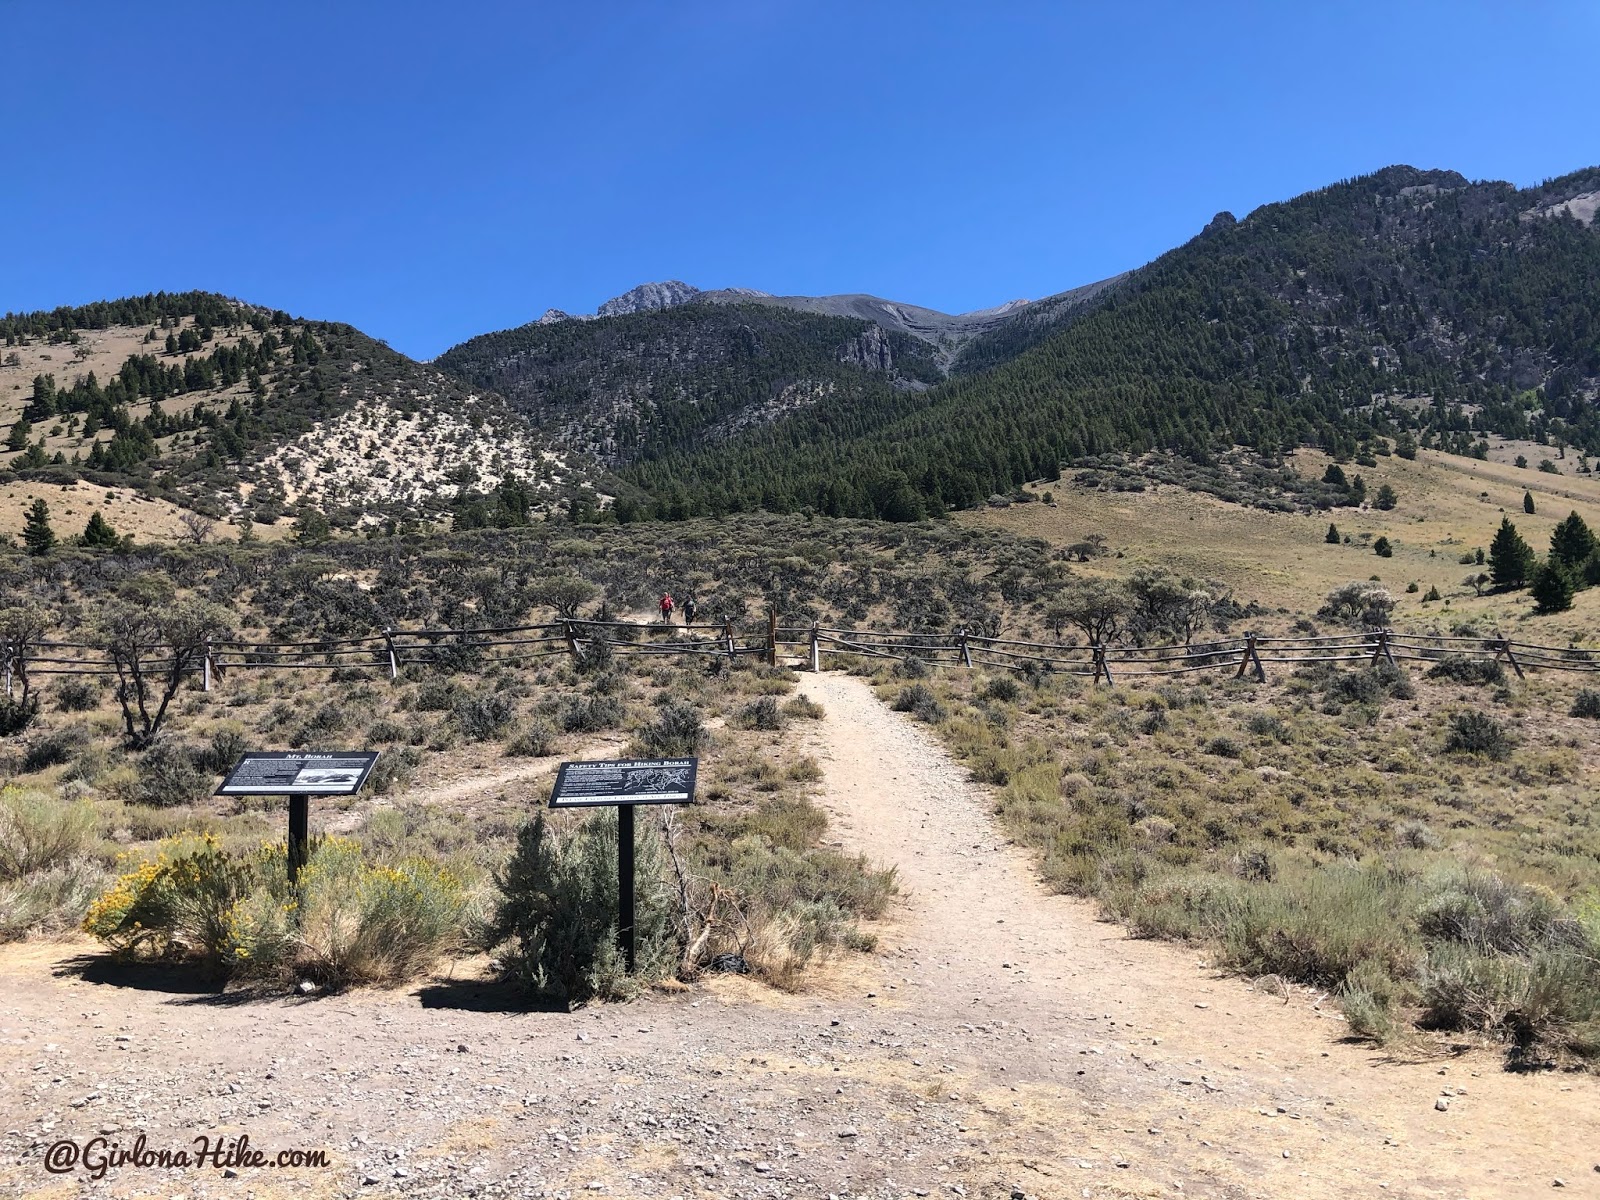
<point x="1447" y="506"/>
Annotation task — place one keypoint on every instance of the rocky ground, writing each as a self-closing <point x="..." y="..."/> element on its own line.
<point x="1001" y="1042"/>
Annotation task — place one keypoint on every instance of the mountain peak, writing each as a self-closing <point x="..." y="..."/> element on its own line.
<point x="647" y="296"/>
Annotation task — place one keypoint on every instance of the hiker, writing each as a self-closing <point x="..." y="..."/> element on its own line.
<point x="666" y="607"/>
<point x="688" y="611"/>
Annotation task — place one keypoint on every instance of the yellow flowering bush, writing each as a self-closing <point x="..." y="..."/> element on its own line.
<point x="176" y="905"/>
<point x="346" y="922"/>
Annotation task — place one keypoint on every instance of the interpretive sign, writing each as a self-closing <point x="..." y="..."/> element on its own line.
<point x="298" y="773"/>
<point x="630" y="781"/>
<point x="625" y="784"/>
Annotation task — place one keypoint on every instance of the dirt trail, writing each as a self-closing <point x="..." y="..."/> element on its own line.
<point x="1244" y="1086"/>
<point x="1001" y="1043"/>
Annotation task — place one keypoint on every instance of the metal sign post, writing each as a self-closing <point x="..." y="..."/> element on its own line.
<point x="299" y="776"/>
<point x="625" y="784"/>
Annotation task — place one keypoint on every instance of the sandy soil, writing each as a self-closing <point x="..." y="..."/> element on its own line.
<point x="1001" y="1043"/>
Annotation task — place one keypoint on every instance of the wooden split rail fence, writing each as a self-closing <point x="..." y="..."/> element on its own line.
<point x="1248" y="655"/>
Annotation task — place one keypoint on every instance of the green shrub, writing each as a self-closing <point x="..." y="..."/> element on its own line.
<point x="555" y="919"/>
<point x="39" y="832"/>
<point x="677" y="730"/>
<point x="384" y="730"/>
<point x="1369" y="998"/>
<point x="435" y="695"/>
<point x="1269" y="725"/>
<point x="1489" y="914"/>
<point x="1475" y="732"/>
<point x="49" y="902"/>
<point x="168" y="775"/>
<point x="588" y="714"/>
<point x="761" y="714"/>
<point x="17" y="715"/>
<point x="483" y="716"/>
<point x="52" y="747"/>
<point x="920" y="703"/>
<point x="363" y="923"/>
<point x="597" y="657"/>
<point x="227" y="745"/>
<point x="804" y="708"/>
<point x="1002" y="688"/>
<point x="911" y="668"/>
<point x="74" y="694"/>
<point x="1586" y="703"/>
<point x="1223" y="747"/>
<point x="1459" y="669"/>
<point x="394" y="769"/>
<point x="536" y="739"/>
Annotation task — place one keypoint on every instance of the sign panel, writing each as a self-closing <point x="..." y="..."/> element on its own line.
<point x="630" y="781"/>
<point x="299" y="773"/>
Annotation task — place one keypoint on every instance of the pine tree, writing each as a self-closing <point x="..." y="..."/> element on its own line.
<point x="100" y="533"/>
<point x="1405" y="445"/>
<point x="1552" y="588"/>
<point x="1332" y="538"/>
<point x="18" y="437"/>
<point x="1572" y="542"/>
<point x="1527" y="502"/>
<point x="1382" y="548"/>
<point x="1386" y="498"/>
<point x="37" y="535"/>
<point x="1511" y="559"/>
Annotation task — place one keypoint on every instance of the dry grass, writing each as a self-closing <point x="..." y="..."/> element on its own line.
<point x="1448" y="505"/>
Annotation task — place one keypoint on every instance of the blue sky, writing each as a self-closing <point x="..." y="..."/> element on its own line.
<point x="431" y="171"/>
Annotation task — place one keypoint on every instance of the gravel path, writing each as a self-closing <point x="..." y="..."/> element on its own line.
<point x="1001" y="1043"/>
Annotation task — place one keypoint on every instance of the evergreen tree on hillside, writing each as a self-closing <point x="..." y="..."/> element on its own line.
<point x="100" y="533"/>
<point x="17" y="439"/>
<point x="1511" y="560"/>
<point x="1527" y="502"/>
<point x="1572" y="542"/>
<point x="1405" y="445"/>
<point x="1332" y="537"/>
<point x="37" y="535"/>
<point x="1553" y="587"/>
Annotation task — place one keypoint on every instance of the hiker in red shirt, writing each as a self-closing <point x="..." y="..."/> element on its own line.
<point x="666" y="607"/>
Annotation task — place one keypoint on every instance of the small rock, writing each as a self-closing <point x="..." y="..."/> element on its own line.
<point x="230" y="1173"/>
<point x="1558" y="1182"/>
<point x="305" y="987"/>
<point x="849" y="1131"/>
<point x="1442" y="1104"/>
<point x="461" y="1048"/>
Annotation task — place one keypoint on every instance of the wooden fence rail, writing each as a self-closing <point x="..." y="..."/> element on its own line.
<point x="392" y="649"/>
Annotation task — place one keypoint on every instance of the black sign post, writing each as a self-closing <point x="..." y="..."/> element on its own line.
<point x="299" y="775"/>
<point x="624" y="785"/>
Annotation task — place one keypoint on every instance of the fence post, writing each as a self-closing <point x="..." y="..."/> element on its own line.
<point x="205" y="668"/>
<point x="966" y="651"/>
<point x="388" y="645"/>
<point x="816" y="648"/>
<point x="5" y="652"/>
<point x="772" y="637"/>
<point x="1251" y="658"/>
<point x="572" y="638"/>
<point x="1380" y="648"/>
<point x="1503" y="645"/>
<point x="727" y="635"/>
<point x="1101" y="666"/>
